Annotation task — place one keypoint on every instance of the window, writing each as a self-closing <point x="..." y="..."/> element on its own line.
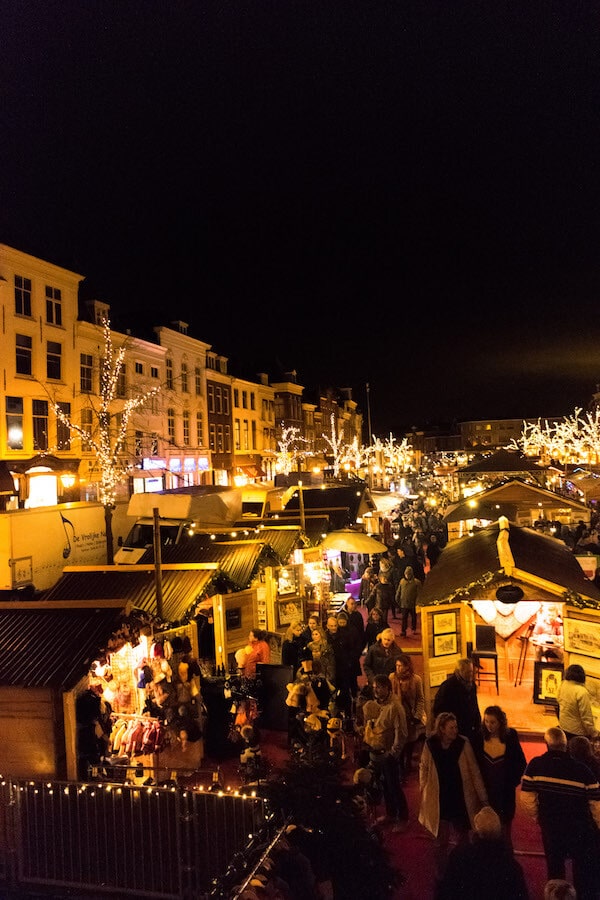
<point x="122" y="381"/>
<point x="170" y="374"/>
<point x="236" y="397"/>
<point x="40" y="424"/>
<point x="86" y="363"/>
<point x="220" y="441"/>
<point x="63" y="432"/>
<point x="198" y="381"/>
<point x="53" y="305"/>
<point x="245" y="435"/>
<point x="226" y="401"/>
<point x="252" y="400"/>
<point x="24" y="344"/>
<point x="211" y="398"/>
<point x="210" y="362"/>
<point x="237" y="441"/>
<point x="53" y="360"/>
<point x="22" y="296"/>
<point x="87" y="425"/>
<point x="171" y="424"/>
<point x="200" y="429"/>
<point x="154" y="445"/>
<point x="14" y="422"/>
<point x="138" y="445"/>
<point x="228" y="439"/>
<point x="253" y="427"/>
<point x="244" y="399"/>
<point x="219" y="399"/>
<point x="186" y="427"/>
<point x="184" y="377"/>
<point x="139" y="368"/>
<point x="153" y="371"/>
<point x="212" y="441"/>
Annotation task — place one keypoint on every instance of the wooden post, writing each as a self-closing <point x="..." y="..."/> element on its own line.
<point x="157" y="562"/>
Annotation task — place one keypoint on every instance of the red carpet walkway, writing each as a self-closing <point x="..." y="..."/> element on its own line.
<point x="412" y="852"/>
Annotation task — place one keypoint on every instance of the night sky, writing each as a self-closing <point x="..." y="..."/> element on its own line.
<point x="404" y="194"/>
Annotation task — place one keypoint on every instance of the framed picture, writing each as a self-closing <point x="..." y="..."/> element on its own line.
<point x="288" y="610"/>
<point x="444" y="644"/>
<point x="444" y="622"/>
<point x="547" y="677"/>
<point x="582" y="636"/>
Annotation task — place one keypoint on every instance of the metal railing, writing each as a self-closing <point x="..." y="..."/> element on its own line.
<point x="146" y="841"/>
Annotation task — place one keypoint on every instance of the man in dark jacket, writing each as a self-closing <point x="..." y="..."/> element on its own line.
<point x="458" y="695"/>
<point x="563" y="796"/>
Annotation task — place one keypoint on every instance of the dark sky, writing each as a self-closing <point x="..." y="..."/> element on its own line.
<point x="405" y="194"/>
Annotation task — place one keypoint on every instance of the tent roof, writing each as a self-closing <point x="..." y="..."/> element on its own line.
<point x="506" y="498"/>
<point x="502" y="461"/>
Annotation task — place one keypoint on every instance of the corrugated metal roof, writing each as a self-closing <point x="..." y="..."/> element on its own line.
<point x="315" y="526"/>
<point x="180" y="587"/>
<point x="52" y="647"/>
<point x="465" y="561"/>
<point x="238" y="560"/>
<point x="503" y="461"/>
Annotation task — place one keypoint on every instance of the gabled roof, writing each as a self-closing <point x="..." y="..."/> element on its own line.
<point x="470" y="559"/>
<point x="181" y="586"/>
<point x="506" y="499"/>
<point x="48" y="646"/>
<point x="502" y="461"/>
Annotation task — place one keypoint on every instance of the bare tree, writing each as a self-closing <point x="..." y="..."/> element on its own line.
<point x="108" y="438"/>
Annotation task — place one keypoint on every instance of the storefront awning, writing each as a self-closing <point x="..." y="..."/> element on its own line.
<point x="253" y="471"/>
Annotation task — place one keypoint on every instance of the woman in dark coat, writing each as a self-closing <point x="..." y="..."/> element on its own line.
<point x="502" y="763"/>
<point x="292" y="645"/>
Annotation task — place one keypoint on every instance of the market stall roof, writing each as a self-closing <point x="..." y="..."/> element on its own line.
<point x="240" y="561"/>
<point x="350" y="541"/>
<point x="182" y="586"/>
<point x="315" y="526"/>
<point x="52" y="645"/>
<point x="467" y="561"/>
<point x="343" y="504"/>
<point x="508" y="498"/>
<point x="208" y="504"/>
<point x="502" y="461"/>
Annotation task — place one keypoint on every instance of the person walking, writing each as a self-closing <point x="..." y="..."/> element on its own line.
<point x="382" y="594"/>
<point x="374" y="626"/>
<point x="486" y="860"/>
<point x="407" y="686"/>
<point x="385" y="735"/>
<point x="381" y="657"/>
<point x="407" y="595"/>
<point x="563" y="796"/>
<point x="502" y="762"/>
<point x="452" y="789"/>
<point x="574" y="704"/>
<point x="293" y="644"/>
<point x="458" y="695"/>
<point x="340" y="643"/>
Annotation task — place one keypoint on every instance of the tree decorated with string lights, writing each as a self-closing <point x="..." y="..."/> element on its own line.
<point x="109" y="444"/>
<point x="574" y="439"/>
<point x="289" y="448"/>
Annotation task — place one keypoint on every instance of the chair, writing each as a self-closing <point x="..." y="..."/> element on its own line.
<point x="485" y="648"/>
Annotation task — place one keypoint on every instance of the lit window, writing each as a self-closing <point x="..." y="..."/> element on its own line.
<point x="14" y="422"/>
<point x="200" y="429"/>
<point x="186" y="427"/>
<point x="87" y="425"/>
<point x="171" y="424"/>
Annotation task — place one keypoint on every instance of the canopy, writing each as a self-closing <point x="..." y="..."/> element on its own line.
<point x="352" y="542"/>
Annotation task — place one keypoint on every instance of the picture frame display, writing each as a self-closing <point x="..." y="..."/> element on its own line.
<point x="582" y="636"/>
<point x="444" y="644"/>
<point x="444" y="622"/>
<point x="547" y="678"/>
<point x="288" y="610"/>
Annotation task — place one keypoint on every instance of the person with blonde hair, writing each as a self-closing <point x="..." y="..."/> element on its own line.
<point x="452" y="789"/>
<point x="381" y="656"/>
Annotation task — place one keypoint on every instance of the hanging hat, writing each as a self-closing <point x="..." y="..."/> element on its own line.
<point x="177" y="645"/>
<point x="186" y="644"/>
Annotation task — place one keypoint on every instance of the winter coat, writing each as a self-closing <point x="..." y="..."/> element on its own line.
<point x="410" y="692"/>
<point x="455" y="697"/>
<point x="472" y="784"/>
<point x="379" y="661"/>
<point x="408" y="591"/>
<point x="575" y="709"/>
<point x="514" y="764"/>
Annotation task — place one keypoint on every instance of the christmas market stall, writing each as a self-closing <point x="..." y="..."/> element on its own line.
<point x="519" y="604"/>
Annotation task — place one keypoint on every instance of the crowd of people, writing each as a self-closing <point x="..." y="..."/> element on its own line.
<point x="470" y="762"/>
